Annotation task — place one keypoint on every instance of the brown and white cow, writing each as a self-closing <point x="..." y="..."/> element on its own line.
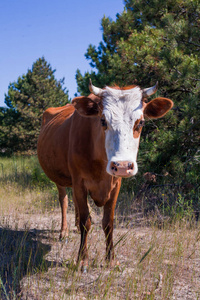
<point x="90" y="145"/>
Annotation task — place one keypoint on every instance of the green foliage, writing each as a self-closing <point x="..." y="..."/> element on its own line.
<point x="26" y="101"/>
<point x="153" y="41"/>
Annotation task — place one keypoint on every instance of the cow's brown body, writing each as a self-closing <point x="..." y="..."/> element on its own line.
<point x="90" y="145"/>
<point x="71" y="151"/>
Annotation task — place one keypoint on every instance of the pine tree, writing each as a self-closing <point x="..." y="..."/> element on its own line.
<point x="151" y="41"/>
<point x="26" y="100"/>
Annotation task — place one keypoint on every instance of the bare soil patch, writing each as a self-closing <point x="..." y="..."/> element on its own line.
<point x="151" y="263"/>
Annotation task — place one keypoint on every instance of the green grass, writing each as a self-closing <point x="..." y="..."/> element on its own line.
<point x="24" y="185"/>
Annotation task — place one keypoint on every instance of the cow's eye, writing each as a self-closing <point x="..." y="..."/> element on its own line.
<point x="140" y="124"/>
<point x="103" y="123"/>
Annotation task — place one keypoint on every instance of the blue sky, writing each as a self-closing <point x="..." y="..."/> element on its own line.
<point x="59" y="30"/>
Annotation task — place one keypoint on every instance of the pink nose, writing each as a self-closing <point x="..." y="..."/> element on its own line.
<point x="122" y="168"/>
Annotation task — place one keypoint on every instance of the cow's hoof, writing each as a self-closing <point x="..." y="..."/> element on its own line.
<point x="63" y="239"/>
<point x="112" y="264"/>
<point x="84" y="269"/>
<point x="84" y="266"/>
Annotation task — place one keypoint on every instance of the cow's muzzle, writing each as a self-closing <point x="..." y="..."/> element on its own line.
<point x="122" y="168"/>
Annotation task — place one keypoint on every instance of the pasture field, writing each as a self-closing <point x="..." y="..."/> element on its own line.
<point x="154" y="259"/>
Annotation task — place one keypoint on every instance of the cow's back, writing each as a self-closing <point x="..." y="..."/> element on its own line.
<point x="53" y="144"/>
<point x="52" y="112"/>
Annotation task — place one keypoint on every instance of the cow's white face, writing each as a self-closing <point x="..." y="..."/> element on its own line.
<point x="122" y="109"/>
<point x="122" y="112"/>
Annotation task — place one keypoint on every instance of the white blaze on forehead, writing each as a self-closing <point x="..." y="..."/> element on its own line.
<point x="119" y="104"/>
<point x="122" y="108"/>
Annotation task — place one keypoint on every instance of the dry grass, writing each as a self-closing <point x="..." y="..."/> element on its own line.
<point x="151" y="262"/>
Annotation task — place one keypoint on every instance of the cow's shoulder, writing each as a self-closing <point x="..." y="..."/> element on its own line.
<point x="51" y="112"/>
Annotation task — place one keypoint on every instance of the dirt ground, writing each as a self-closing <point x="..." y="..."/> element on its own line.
<point x="151" y="263"/>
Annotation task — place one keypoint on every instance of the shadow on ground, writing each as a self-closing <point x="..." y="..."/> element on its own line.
<point x="21" y="254"/>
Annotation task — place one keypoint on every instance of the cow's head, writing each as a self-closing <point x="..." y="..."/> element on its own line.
<point x="122" y="112"/>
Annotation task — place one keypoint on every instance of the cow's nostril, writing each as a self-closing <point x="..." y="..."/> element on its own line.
<point x="130" y="166"/>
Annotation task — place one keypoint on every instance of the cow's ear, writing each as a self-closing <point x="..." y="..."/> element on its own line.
<point x="86" y="106"/>
<point x="157" y="108"/>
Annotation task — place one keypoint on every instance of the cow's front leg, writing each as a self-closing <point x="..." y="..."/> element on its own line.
<point x="76" y="216"/>
<point x="107" y="222"/>
<point x="80" y="198"/>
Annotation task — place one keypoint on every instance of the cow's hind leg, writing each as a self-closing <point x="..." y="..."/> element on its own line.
<point x="107" y="222"/>
<point x="80" y="199"/>
<point x="63" y="199"/>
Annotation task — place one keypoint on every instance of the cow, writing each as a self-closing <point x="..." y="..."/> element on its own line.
<point x="90" y="145"/>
